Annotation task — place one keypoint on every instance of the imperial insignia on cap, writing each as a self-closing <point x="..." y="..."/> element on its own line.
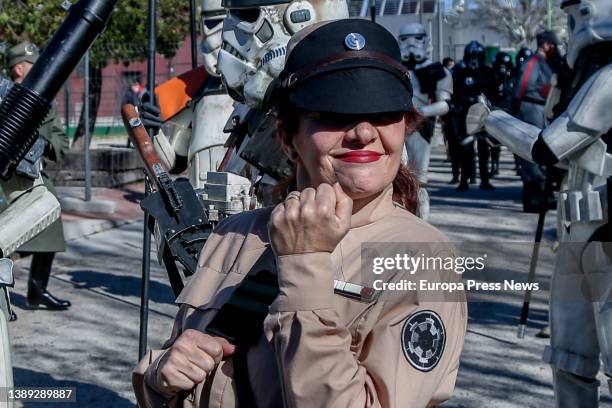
<point x="354" y="41"/>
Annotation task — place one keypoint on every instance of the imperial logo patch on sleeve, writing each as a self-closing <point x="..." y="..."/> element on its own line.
<point x="423" y="340"/>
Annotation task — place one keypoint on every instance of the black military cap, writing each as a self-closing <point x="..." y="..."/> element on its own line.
<point x="350" y="66"/>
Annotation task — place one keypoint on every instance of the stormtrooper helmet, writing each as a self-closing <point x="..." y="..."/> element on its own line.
<point x="589" y="22"/>
<point x="414" y="43"/>
<point x="254" y="41"/>
<point x="212" y="22"/>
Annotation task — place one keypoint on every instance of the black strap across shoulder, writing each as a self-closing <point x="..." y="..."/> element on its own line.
<point x="240" y="319"/>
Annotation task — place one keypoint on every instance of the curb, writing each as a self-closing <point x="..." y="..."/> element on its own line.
<point x="83" y="228"/>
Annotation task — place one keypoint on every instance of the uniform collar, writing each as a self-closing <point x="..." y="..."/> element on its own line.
<point x="374" y="210"/>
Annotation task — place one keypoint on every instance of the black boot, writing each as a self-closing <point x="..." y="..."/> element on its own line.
<point x="455" y="170"/>
<point x="484" y="153"/>
<point x="467" y="166"/>
<point x="38" y="296"/>
<point x="495" y="168"/>
<point x="533" y="197"/>
<point x="486" y="185"/>
<point x="544" y="333"/>
<point x="463" y="186"/>
<point x="495" y="152"/>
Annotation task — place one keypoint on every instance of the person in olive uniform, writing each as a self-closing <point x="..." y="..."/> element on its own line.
<point x="43" y="247"/>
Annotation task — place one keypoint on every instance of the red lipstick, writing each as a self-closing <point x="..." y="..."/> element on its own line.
<point x="359" y="156"/>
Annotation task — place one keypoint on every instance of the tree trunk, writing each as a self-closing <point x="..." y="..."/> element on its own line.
<point x="95" y="94"/>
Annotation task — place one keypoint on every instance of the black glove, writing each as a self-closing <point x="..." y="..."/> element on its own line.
<point x="150" y="116"/>
<point x="49" y="150"/>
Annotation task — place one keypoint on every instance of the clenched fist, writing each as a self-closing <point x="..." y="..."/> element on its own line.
<point x="193" y="356"/>
<point x="310" y="221"/>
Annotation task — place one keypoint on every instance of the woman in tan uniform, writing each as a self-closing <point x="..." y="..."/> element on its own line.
<point x="315" y="335"/>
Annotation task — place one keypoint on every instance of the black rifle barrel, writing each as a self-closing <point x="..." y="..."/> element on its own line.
<point x="27" y="105"/>
<point x="193" y="33"/>
<point x="535" y="254"/>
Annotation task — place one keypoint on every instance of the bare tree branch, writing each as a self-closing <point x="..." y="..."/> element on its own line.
<point x="519" y="20"/>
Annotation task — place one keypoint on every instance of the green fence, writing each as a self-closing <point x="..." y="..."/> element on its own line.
<point x="102" y="131"/>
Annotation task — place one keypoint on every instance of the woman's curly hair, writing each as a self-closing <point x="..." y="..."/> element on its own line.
<point x="405" y="184"/>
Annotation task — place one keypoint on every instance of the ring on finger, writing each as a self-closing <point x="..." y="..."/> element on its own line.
<point x="294" y="195"/>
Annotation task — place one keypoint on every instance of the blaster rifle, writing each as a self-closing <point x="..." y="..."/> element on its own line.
<point x="174" y="207"/>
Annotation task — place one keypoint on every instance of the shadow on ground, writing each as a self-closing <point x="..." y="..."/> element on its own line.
<point x="108" y="283"/>
<point x="133" y="196"/>
<point x="496" y="313"/>
<point x="120" y="285"/>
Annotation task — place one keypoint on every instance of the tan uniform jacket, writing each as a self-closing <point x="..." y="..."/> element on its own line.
<point x="319" y="349"/>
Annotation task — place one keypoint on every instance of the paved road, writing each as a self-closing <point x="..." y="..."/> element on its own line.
<point x="93" y="346"/>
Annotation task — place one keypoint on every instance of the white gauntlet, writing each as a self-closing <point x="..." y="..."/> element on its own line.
<point x="477" y="114"/>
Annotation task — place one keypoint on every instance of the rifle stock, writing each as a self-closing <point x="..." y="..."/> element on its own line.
<point x="153" y="164"/>
<point x="177" y="211"/>
<point x="142" y="141"/>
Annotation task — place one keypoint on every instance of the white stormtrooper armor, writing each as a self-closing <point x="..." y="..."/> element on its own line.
<point x="579" y="139"/>
<point x="255" y="42"/>
<point x="432" y="86"/>
<point x="253" y="53"/>
<point x="206" y="149"/>
<point x="414" y="43"/>
<point x="589" y="23"/>
<point x="6" y="365"/>
<point x="27" y="208"/>
<point x="196" y="133"/>
<point x="207" y="146"/>
<point x="255" y="37"/>
<point x="212" y="23"/>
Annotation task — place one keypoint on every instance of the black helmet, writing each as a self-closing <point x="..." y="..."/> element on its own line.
<point x="474" y="55"/>
<point x="503" y="63"/>
<point x="547" y="37"/>
<point x="474" y="48"/>
<point x="522" y="56"/>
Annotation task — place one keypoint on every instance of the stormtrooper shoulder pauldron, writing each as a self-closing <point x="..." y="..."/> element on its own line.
<point x="577" y="133"/>
<point x="590" y="108"/>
